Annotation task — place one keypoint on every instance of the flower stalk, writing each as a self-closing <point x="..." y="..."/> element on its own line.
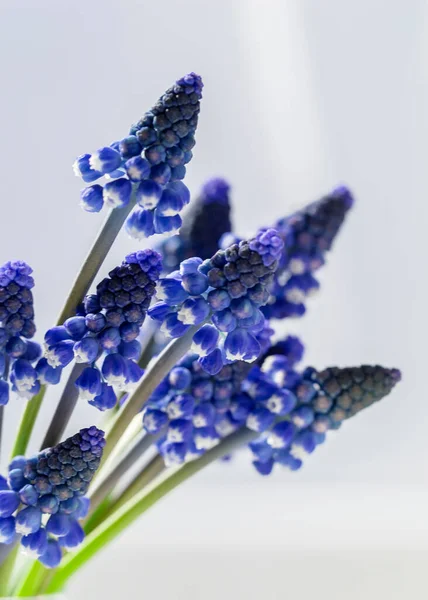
<point x="148" y="473"/>
<point x="139" y="445"/>
<point x="64" y="409"/>
<point x="27" y="423"/>
<point x="81" y="286"/>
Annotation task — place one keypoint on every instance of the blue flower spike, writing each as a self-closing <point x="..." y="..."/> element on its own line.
<point x="107" y="328"/>
<point x="308" y="235"/>
<point x="204" y="224"/>
<point x="148" y="164"/>
<point x="17" y="352"/>
<point x="324" y="400"/>
<point x="227" y="290"/>
<point x="43" y="499"/>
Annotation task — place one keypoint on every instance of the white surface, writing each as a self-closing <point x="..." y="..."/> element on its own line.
<point x="299" y="96"/>
<point x="272" y="543"/>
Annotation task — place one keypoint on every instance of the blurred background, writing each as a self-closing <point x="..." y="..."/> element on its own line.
<point x="299" y="96"/>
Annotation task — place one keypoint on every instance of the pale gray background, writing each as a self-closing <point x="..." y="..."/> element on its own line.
<point x="299" y="96"/>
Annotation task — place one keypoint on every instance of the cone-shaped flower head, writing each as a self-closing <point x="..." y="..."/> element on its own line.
<point x="17" y="352"/>
<point x="43" y="498"/>
<point x="324" y="400"/>
<point x="227" y="290"/>
<point x="350" y="389"/>
<point x="109" y="323"/>
<point x="148" y="165"/>
<point x="204" y="223"/>
<point x="308" y="235"/>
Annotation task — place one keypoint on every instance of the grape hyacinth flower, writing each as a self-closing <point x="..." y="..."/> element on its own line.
<point x="43" y="498"/>
<point x="193" y="410"/>
<point x="308" y="235"/>
<point x="149" y="163"/>
<point x="108" y="325"/>
<point x="204" y="224"/>
<point x="18" y="352"/>
<point x="324" y="399"/>
<point x="226" y="290"/>
<point x="235" y="387"/>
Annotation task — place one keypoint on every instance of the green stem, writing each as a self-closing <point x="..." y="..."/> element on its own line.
<point x="29" y="586"/>
<point x="7" y="571"/>
<point x="145" y="477"/>
<point x="138" y="446"/>
<point x="64" y="410"/>
<point x="125" y="516"/>
<point x="98" y="515"/>
<point x="81" y="285"/>
<point x="110" y="504"/>
<point x="95" y="258"/>
<point x="27" y="423"/>
<point x="158" y="370"/>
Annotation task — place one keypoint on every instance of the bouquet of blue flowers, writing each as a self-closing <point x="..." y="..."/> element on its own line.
<point x="177" y="346"/>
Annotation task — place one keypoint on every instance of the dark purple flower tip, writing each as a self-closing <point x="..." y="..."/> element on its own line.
<point x="17" y="271"/>
<point x="148" y="260"/>
<point x="191" y="83"/>
<point x="215" y="190"/>
<point x="343" y="193"/>
<point x="396" y="375"/>
<point x="268" y="244"/>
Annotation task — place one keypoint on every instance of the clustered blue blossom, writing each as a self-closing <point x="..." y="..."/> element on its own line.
<point x="17" y="352"/>
<point x="191" y="410"/>
<point x="223" y="294"/>
<point x="43" y="497"/>
<point x="225" y="288"/>
<point x="204" y="223"/>
<point x="324" y="399"/>
<point x="149" y="163"/>
<point x="307" y="234"/>
<point x="107" y="327"/>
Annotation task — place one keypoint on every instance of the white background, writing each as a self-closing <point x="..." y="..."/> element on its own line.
<point x="299" y="96"/>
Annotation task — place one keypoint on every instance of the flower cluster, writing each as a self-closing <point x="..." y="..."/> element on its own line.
<point x="17" y="352"/>
<point x="307" y="235"/>
<point x="227" y="290"/>
<point x="148" y="164"/>
<point x="219" y="292"/>
<point x="191" y="411"/>
<point x="204" y="224"/>
<point x="109" y="325"/>
<point x="324" y="399"/>
<point x="43" y="497"/>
